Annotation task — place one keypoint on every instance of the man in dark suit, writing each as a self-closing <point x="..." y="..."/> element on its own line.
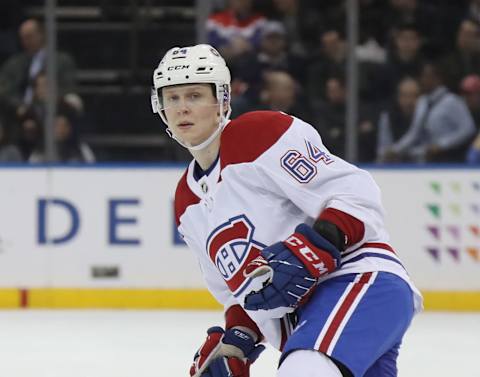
<point x="19" y="71"/>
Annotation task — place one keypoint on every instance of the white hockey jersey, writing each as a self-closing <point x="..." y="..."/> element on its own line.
<point x="272" y="174"/>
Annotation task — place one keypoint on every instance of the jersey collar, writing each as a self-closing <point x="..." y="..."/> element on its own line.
<point x="202" y="183"/>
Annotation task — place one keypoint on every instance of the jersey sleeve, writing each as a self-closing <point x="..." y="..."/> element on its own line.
<point x="300" y="168"/>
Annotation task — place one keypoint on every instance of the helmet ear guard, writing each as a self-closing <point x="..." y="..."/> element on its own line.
<point x="154" y="101"/>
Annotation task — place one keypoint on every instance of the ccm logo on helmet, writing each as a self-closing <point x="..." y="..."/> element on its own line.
<point x="176" y="67"/>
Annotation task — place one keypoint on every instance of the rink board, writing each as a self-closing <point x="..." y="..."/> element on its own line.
<point x="104" y="236"/>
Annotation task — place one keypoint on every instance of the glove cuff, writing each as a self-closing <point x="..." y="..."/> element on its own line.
<point x="236" y="316"/>
<point x="317" y="262"/>
<point x="244" y="342"/>
<point x="352" y="228"/>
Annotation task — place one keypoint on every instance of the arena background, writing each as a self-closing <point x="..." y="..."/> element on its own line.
<point x="101" y="234"/>
<point x="94" y="279"/>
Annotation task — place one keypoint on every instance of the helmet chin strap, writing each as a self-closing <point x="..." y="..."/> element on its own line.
<point x="221" y="125"/>
<point x="204" y="144"/>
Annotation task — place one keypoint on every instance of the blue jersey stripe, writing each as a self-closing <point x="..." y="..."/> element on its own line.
<point x="374" y="255"/>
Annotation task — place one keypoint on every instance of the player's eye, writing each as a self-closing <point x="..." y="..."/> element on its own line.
<point x="172" y="99"/>
<point x="195" y="96"/>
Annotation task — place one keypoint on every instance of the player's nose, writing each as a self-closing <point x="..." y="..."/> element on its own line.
<point x="183" y="106"/>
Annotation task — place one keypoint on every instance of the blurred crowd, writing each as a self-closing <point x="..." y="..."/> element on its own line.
<point x="419" y="65"/>
<point x="23" y="96"/>
<point x="419" y="77"/>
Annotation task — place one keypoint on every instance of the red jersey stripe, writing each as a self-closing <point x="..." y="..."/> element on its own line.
<point x="353" y="228"/>
<point x="342" y="311"/>
<point x="375" y="245"/>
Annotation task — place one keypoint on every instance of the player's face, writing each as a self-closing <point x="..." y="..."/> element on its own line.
<point x="192" y="112"/>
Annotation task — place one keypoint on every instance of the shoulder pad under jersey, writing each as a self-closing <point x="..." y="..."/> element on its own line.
<point x="247" y="137"/>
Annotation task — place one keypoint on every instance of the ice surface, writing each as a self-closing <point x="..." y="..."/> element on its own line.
<point x="36" y="343"/>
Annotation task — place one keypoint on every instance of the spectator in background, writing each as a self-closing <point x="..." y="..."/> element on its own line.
<point x="273" y="55"/>
<point x="442" y="126"/>
<point x="427" y="18"/>
<point x="330" y="61"/>
<point x="396" y="119"/>
<point x="281" y="93"/>
<point x="19" y="71"/>
<point x="236" y="30"/>
<point x="31" y="118"/>
<point x="470" y="89"/>
<point x="68" y="144"/>
<point x="329" y="119"/>
<point x="404" y="58"/>
<point x="39" y="99"/>
<point x="465" y="59"/>
<point x="8" y="151"/>
<point x="30" y="133"/>
<point x="330" y="116"/>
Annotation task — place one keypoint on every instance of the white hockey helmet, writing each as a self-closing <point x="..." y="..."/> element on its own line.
<point x="193" y="65"/>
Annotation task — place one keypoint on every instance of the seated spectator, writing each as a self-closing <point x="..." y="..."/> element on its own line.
<point x="19" y="71"/>
<point x="279" y="92"/>
<point x="428" y="19"/>
<point x="30" y="133"/>
<point x="465" y="58"/>
<point x="39" y="99"/>
<point x="404" y="58"/>
<point x="272" y="55"/>
<point x="236" y="30"/>
<point x="470" y="90"/>
<point x="68" y="144"/>
<point x="330" y="61"/>
<point x="394" y="122"/>
<point x="442" y="126"/>
<point x="329" y="119"/>
<point x="32" y="116"/>
<point x="8" y="151"/>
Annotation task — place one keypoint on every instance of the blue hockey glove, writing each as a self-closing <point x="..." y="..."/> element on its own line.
<point x="225" y="354"/>
<point x="297" y="264"/>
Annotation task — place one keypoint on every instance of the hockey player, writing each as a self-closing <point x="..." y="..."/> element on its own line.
<point x="289" y="237"/>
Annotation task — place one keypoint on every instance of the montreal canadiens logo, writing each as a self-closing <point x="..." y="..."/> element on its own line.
<point x="231" y="247"/>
